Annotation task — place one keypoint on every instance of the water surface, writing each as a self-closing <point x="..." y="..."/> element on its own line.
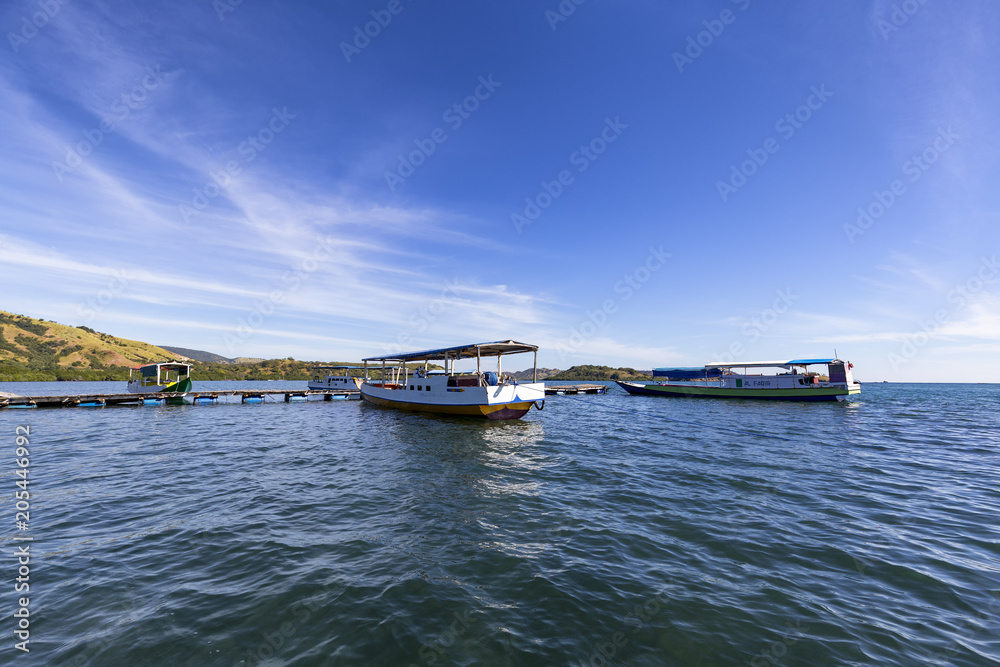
<point x="603" y="530"/>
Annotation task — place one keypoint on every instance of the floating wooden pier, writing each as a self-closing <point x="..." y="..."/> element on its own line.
<point x="571" y="389"/>
<point x="211" y="397"/>
<point x="197" y="397"/>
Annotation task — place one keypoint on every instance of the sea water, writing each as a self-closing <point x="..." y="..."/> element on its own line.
<point x="603" y="530"/>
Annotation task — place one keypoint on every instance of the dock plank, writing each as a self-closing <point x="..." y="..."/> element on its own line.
<point x="73" y="400"/>
<point x="571" y="389"/>
<point x="137" y="399"/>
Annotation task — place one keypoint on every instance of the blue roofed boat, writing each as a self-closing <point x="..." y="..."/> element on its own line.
<point x="734" y="380"/>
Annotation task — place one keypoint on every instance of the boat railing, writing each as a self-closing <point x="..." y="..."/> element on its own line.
<point x="696" y="383"/>
<point x="389" y="385"/>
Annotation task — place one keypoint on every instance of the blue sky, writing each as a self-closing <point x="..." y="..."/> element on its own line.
<point x="631" y="183"/>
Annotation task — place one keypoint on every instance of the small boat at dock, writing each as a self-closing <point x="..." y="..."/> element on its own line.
<point x="174" y="377"/>
<point x="472" y="393"/>
<point x="335" y="377"/>
<point x="733" y="380"/>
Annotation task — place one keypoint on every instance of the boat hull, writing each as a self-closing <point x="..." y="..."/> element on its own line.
<point x="496" y="403"/>
<point x="181" y="387"/>
<point x="805" y="394"/>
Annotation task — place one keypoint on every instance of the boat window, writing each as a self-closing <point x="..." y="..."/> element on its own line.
<point x="837" y="373"/>
<point x="428" y="387"/>
<point x="411" y="387"/>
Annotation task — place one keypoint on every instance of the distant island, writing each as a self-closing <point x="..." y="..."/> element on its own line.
<point x="38" y="350"/>
<point x="600" y="373"/>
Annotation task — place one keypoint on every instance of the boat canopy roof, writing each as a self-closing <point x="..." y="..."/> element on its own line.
<point x="770" y="364"/>
<point x="167" y="365"/>
<point x="471" y="351"/>
<point x="807" y="362"/>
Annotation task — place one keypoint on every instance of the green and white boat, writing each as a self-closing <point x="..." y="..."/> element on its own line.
<point x="734" y="380"/>
<point x="171" y="376"/>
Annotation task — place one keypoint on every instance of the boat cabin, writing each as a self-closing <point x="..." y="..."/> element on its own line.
<point x="159" y="374"/>
<point x="167" y="376"/>
<point x="396" y="374"/>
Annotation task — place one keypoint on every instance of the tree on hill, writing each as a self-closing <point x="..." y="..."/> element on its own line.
<point x="599" y="373"/>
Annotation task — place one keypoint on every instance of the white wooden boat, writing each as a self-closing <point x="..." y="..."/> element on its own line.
<point x="473" y="393"/>
<point x="335" y="377"/>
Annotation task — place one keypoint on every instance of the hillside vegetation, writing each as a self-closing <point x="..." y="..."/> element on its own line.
<point x="268" y="369"/>
<point x="528" y="374"/>
<point x="39" y="350"/>
<point x="33" y="350"/>
<point x="594" y="373"/>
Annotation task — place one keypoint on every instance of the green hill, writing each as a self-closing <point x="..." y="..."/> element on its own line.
<point x="591" y="373"/>
<point x="528" y="374"/>
<point x="265" y="369"/>
<point x="34" y="350"/>
<point x="39" y="350"/>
